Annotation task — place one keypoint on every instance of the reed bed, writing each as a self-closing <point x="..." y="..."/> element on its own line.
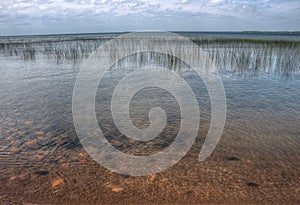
<point x="239" y="55"/>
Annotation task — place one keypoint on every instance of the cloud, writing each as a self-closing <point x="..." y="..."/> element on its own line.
<point x="149" y="14"/>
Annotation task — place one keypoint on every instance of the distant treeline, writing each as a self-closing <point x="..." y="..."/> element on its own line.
<point x="273" y="32"/>
<point x="245" y="40"/>
<point x="243" y="32"/>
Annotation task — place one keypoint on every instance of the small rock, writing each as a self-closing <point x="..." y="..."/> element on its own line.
<point x="164" y="180"/>
<point x="10" y="138"/>
<point x="39" y="133"/>
<point x="31" y="143"/>
<point x="15" y="150"/>
<point x="12" y="178"/>
<point x="151" y="177"/>
<point x="57" y="182"/>
<point x="82" y="155"/>
<point x="23" y="132"/>
<point x="42" y="138"/>
<point x="28" y="122"/>
<point x="24" y="176"/>
<point x="117" y="189"/>
<point x="21" y="177"/>
<point x="117" y="143"/>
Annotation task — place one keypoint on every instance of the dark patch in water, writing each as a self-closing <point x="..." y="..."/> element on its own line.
<point x="70" y="143"/>
<point x="54" y="161"/>
<point x="252" y="184"/>
<point x="125" y="176"/>
<point x="189" y="192"/>
<point x="233" y="159"/>
<point x="48" y="144"/>
<point x="41" y="172"/>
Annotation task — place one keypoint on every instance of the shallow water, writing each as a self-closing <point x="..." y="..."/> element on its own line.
<point x="42" y="160"/>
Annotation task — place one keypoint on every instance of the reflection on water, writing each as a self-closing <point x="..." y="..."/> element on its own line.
<point x="256" y="161"/>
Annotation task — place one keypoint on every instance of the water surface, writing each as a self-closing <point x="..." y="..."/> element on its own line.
<point x="42" y="160"/>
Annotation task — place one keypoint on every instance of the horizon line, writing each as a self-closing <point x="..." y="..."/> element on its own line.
<point x="180" y="31"/>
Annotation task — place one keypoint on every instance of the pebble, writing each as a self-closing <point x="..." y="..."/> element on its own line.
<point x="22" y="177"/>
<point x="30" y="143"/>
<point x="15" y="150"/>
<point x="39" y="133"/>
<point x="28" y="122"/>
<point x="117" y="143"/>
<point x="12" y="178"/>
<point x="151" y="177"/>
<point x="82" y="155"/>
<point x="23" y="132"/>
<point x="57" y="182"/>
<point x="117" y="189"/>
<point x="10" y="138"/>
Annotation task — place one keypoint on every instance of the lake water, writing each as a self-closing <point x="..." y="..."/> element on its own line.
<point x="256" y="161"/>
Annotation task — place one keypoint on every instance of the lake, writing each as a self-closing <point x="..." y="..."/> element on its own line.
<point x="257" y="159"/>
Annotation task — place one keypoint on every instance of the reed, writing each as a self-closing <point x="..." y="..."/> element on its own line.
<point x="240" y="55"/>
<point x="244" y="40"/>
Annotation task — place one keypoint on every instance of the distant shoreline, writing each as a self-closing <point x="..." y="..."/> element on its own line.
<point x="243" y="32"/>
<point x="178" y="32"/>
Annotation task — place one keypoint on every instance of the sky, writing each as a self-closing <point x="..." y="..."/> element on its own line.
<point x="19" y="17"/>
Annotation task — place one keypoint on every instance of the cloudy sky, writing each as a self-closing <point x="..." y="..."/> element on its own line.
<point x="90" y="16"/>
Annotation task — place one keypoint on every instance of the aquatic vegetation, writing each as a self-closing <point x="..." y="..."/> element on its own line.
<point x="244" y="40"/>
<point x="239" y="55"/>
<point x="59" y="50"/>
<point x="254" y="58"/>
